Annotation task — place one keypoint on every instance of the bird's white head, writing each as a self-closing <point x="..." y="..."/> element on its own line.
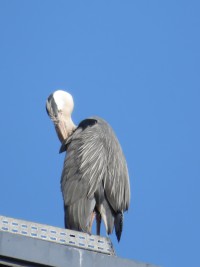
<point x="64" y="102"/>
<point x="59" y="107"/>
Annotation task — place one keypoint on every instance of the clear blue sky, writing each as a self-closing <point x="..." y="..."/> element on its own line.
<point x="137" y="65"/>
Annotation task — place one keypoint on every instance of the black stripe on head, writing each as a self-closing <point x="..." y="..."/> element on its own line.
<point x="52" y="104"/>
<point x="50" y="97"/>
<point x="48" y="103"/>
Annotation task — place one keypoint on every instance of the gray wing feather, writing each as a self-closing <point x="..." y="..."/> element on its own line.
<point x="78" y="215"/>
<point x="84" y="166"/>
<point x="116" y="182"/>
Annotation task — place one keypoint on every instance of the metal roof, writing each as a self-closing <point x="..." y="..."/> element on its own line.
<point x="25" y="243"/>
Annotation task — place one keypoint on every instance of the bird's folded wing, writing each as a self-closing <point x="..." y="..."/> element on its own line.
<point x="84" y="165"/>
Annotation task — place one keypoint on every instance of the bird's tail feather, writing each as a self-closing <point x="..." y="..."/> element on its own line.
<point x="119" y="225"/>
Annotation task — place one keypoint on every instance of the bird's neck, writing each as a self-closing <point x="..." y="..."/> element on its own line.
<point x="65" y="128"/>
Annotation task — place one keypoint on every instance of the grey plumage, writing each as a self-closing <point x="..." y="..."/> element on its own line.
<point x="94" y="177"/>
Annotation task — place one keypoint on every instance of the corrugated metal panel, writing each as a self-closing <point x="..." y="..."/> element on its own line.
<point x="57" y="235"/>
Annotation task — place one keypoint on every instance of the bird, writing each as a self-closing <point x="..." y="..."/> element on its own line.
<point x="94" y="180"/>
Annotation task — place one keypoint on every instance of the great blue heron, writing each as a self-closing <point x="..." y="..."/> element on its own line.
<point x="94" y="179"/>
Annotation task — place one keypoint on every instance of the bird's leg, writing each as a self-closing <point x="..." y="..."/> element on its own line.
<point x="98" y="221"/>
<point x="91" y="221"/>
